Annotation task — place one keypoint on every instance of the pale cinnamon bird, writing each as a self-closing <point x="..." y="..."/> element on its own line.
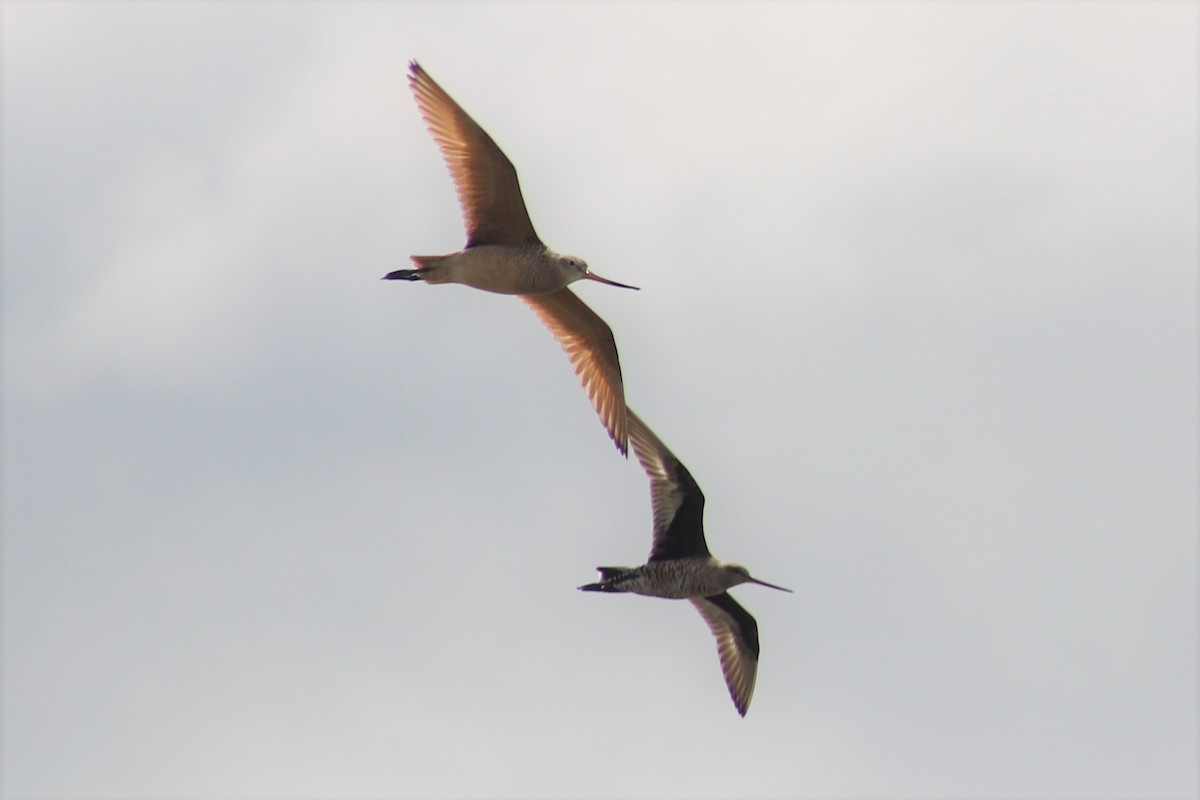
<point x="505" y="255"/>
<point x="680" y="565"/>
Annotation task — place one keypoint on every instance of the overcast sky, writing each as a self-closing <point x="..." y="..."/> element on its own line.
<point x="918" y="311"/>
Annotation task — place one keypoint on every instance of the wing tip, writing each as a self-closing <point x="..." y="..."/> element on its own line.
<point x="741" y="689"/>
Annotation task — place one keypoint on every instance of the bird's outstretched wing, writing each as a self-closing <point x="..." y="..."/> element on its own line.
<point x="492" y="206"/>
<point x="677" y="500"/>
<point x="589" y="343"/>
<point x="736" y="633"/>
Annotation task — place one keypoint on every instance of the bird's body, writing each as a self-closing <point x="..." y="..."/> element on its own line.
<point x="674" y="579"/>
<point x="504" y="254"/>
<point x="503" y="269"/>
<point x="681" y="567"/>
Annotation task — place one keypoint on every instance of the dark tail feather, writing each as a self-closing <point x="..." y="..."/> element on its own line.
<point x="426" y="267"/>
<point x="610" y="580"/>
<point x="403" y="275"/>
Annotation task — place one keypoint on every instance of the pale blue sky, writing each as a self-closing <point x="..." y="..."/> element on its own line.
<point x="918" y="311"/>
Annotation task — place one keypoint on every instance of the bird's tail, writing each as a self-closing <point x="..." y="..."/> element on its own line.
<point x="610" y="580"/>
<point x="429" y="269"/>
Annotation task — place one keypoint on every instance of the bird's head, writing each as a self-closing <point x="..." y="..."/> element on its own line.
<point x="577" y="269"/>
<point x="738" y="574"/>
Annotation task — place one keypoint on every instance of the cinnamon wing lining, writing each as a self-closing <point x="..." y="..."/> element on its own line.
<point x="488" y="191"/>
<point x="589" y="343"/>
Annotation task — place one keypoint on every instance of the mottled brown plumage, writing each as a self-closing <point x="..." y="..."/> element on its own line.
<point x="680" y="566"/>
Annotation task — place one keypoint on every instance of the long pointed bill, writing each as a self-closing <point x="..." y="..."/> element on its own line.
<point x="770" y="585"/>
<point x="591" y="276"/>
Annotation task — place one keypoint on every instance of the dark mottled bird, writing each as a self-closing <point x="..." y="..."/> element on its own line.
<point x="680" y="566"/>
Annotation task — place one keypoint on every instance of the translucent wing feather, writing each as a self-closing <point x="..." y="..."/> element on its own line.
<point x="488" y="191"/>
<point x="589" y="343"/>
<point x="736" y="633"/>
<point x="675" y="497"/>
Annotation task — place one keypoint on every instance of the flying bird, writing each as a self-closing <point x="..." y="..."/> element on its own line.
<point x="680" y="566"/>
<point x="503" y="253"/>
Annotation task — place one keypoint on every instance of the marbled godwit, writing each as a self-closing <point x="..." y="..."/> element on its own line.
<point x="505" y="255"/>
<point x="680" y="565"/>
